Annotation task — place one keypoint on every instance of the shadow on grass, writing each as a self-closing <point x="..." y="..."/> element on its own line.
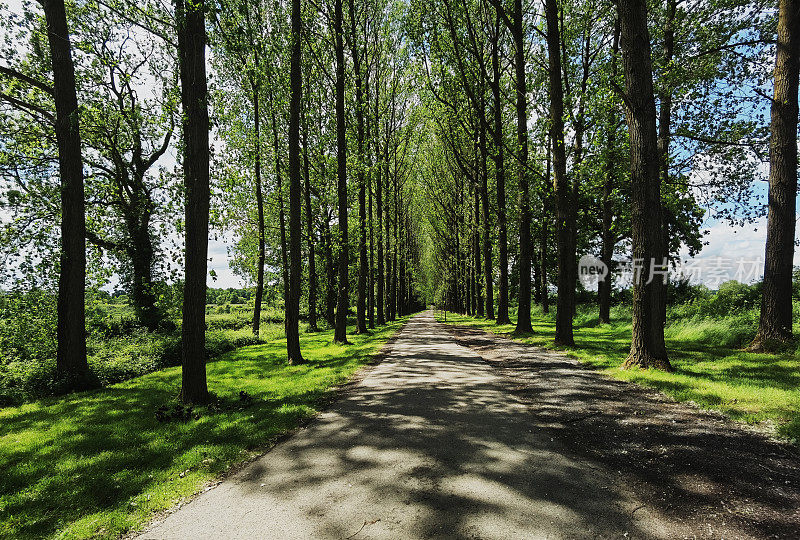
<point x="99" y="463"/>
<point x="747" y="386"/>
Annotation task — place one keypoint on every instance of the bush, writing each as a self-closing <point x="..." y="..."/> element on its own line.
<point x="118" y="349"/>
<point x="27" y="326"/>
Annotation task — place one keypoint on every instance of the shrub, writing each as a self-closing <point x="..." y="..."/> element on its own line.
<point x="117" y="348"/>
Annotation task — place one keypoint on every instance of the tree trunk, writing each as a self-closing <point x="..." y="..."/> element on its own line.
<point x="312" y="262"/>
<point x="313" y="282"/>
<point x="524" y="311"/>
<point x="379" y="208"/>
<point x="661" y="249"/>
<point x="281" y="221"/>
<point x="487" y="227"/>
<point x="371" y="261"/>
<point x="295" y="192"/>
<point x="140" y="252"/>
<point x="545" y="229"/>
<point x="330" y="274"/>
<point x="775" y="322"/>
<point x="71" y="327"/>
<point x="192" y="59"/>
<point x="476" y="246"/>
<point x="361" y="294"/>
<point x="371" y="272"/>
<point x="499" y="167"/>
<point x="396" y="245"/>
<point x="607" y="236"/>
<point x="641" y="118"/>
<point x="262" y="243"/>
<point x="340" y="334"/>
<point x="565" y="218"/>
<point x="545" y="292"/>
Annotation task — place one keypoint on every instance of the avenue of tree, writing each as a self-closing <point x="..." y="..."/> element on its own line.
<point x="381" y="154"/>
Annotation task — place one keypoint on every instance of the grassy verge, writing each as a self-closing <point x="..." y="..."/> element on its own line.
<point x="753" y="388"/>
<point x="99" y="463"/>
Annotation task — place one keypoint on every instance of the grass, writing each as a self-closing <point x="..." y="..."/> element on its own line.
<point x="117" y="348"/>
<point x="98" y="464"/>
<point x="749" y="387"/>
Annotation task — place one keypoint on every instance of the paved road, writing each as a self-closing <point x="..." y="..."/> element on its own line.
<point x="431" y="444"/>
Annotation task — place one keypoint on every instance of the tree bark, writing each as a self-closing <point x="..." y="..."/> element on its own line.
<point x="524" y="263"/>
<point x="395" y="305"/>
<point x="295" y="192"/>
<point x="565" y="215"/>
<point x="545" y="231"/>
<point x="371" y="272"/>
<point x="500" y="178"/>
<point x="71" y="362"/>
<point x="330" y="274"/>
<point x="192" y="59"/>
<point x="281" y="221"/>
<point x="476" y="246"/>
<point x="361" y="294"/>
<point x="661" y="249"/>
<point x="607" y="236"/>
<point x="262" y="243"/>
<point x="775" y="322"/>
<point x="312" y="262"/>
<point x="641" y="118"/>
<point x="379" y="207"/>
<point x="340" y="333"/>
<point x="140" y="252"/>
<point x="486" y="224"/>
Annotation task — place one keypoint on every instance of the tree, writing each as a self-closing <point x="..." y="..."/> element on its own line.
<point x="71" y="354"/>
<point x="775" y="321"/>
<point x="340" y="334"/>
<point x="295" y="191"/>
<point x="607" y="211"/>
<point x="518" y="35"/>
<point x="192" y="61"/>
<point x="565" y="217"/>
<point x="640" y="114"/>
<point x="355" y="46"/>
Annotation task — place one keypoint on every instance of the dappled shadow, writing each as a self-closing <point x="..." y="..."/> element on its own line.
<point x="698" y="469"/>
<point x="68" y="458"/>
<point x="432" y="444"/>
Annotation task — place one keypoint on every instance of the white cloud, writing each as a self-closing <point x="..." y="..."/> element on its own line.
<point x="218" y="255"/>
<point x="728" y="247"/>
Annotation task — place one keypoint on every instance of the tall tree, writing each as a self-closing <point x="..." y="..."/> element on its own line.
<point x="500" y="176"/>
<point x="361" y="298"/>
<point x="775" y="322"/>
<point x="379" y="204"/>
<point x="312" y="263"/>
<point x="71" y="327"/>
<point x="255" y="87"/>
<point x="295" y="191"/>
<point x="640" y="112"/>
<point x="565" y="209"/>
<point x="340" y="333"/>
<point x="607" y="235"/>
<point x="524" y="263"/>
<point x="194" y="90"/>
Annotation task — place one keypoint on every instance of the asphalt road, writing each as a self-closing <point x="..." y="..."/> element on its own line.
<point x="433" y="443"/>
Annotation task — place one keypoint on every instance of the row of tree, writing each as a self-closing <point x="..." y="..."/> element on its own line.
<point x="423" y="118"/>
<point x="332" y="88"/>
<point x="691" y="82"/>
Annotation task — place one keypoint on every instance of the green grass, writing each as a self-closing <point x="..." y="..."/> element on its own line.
<point x="99" y="463"/>
<point x="752" y="388"/>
